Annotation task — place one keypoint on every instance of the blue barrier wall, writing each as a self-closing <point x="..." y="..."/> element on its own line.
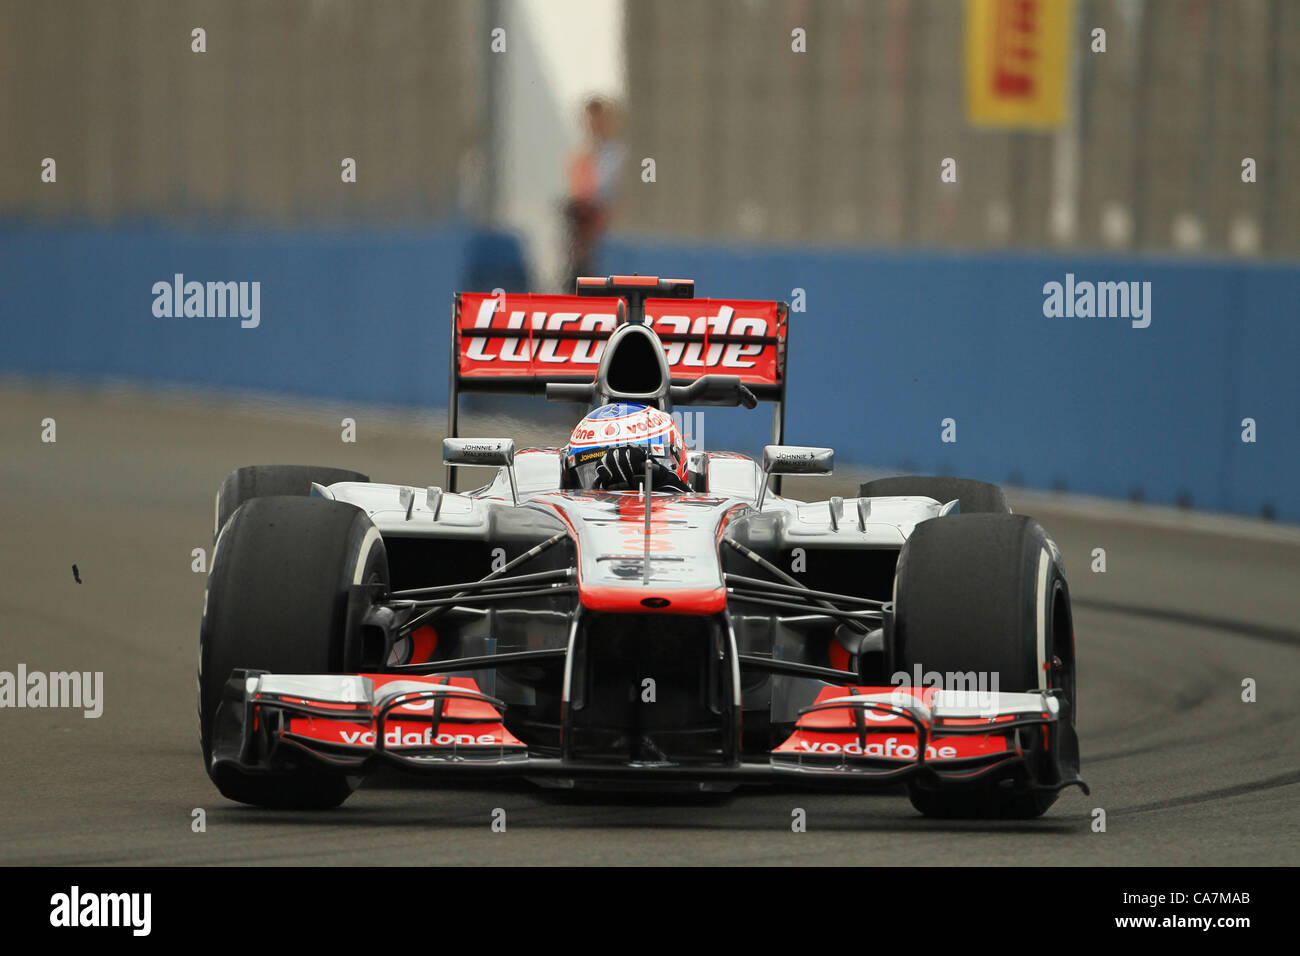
<point x="888" y="347"/>
<point x="353" y="317"/>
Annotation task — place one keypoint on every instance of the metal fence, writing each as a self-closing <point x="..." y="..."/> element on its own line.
<point x="843" y="143"/>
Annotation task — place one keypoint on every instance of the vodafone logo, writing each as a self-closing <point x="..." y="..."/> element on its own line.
<point x="396" y="738"/>
<point x="890" y="748"/>
<point x="645" y="425"/>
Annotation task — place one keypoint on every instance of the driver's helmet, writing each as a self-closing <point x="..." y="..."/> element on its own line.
<point x="618" y="425"/>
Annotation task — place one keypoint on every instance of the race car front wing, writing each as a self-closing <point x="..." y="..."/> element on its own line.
<point x="854" y="738"/>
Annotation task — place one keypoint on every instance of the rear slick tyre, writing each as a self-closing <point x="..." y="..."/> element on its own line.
<point x="265" y="481"/>
<point x="973" y="497"/>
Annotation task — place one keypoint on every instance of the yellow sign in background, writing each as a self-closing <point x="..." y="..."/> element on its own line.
<point x="1017" y="62"/>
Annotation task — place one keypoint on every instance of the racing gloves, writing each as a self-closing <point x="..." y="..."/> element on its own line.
<point x="623" y="468"/>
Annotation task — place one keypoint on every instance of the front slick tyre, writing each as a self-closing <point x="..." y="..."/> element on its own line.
<point x="972" y="593"/>
<point x="291" y="579"/>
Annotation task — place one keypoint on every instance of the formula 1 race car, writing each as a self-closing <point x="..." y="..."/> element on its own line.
<point x="915" y="637"/>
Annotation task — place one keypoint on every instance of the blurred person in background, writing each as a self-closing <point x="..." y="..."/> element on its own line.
<point x="594" y="174"/>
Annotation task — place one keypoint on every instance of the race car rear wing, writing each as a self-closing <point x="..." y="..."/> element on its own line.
<point x="503" y="343"/>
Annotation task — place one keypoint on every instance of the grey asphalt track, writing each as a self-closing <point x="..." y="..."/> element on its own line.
<point x="1186" y="772"/>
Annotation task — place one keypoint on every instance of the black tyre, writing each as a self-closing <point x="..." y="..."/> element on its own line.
<point x="976" y="497"/>
<point x="984" y="593"/>
<point x="291" y="579"/>
<point x="263" y="481"/>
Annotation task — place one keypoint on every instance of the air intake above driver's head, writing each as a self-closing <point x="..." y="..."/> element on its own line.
<point x="633" y="368"/>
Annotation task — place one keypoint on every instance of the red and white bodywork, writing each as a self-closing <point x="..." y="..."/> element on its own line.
<point x="714" y="637"/>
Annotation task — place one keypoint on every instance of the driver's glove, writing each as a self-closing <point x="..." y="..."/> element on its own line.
<point x="621" y="467"/>
<point x="624" y="468"/>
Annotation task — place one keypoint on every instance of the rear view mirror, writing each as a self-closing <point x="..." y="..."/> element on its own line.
<point x="794" y="460"/>
<point x="797" y="460"/>
<point x="489" y="452"/>
<point x="498" y="452"/>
